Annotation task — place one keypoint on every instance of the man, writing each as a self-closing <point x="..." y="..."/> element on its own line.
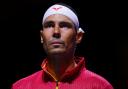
<point x="61" y="69"/>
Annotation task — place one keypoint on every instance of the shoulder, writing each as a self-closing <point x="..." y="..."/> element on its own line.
<point x="94" y="79"/>
<point x="26" y="81"/>
<point x="92" y="75"/>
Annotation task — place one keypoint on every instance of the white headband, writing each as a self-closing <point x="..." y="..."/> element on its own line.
<point x="63" y="10"/>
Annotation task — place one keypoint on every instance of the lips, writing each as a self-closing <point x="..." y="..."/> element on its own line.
<point x="56" y="42"/>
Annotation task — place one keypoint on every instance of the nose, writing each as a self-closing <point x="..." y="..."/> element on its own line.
<point x="56" y="33"/>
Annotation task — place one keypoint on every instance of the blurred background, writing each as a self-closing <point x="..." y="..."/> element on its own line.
<point x="105" y="43"/>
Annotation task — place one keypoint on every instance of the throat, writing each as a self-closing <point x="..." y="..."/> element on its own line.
<point x="58" y="68"/>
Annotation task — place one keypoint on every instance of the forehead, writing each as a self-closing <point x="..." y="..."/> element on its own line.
<point x="58" y="18"/>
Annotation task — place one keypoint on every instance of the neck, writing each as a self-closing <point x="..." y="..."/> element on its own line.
<point x="58" y="64"/>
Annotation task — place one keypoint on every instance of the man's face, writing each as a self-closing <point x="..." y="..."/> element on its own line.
<point x="59" y="35"/>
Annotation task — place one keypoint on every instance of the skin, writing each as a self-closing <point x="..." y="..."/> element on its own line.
<point x="59" y="41"/>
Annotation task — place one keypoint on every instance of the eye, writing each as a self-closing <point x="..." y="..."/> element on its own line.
<point x="65" y="25"/>
<point x="48" y="24"/>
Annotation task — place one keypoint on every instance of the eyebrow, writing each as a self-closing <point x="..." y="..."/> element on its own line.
<point x="48" y="24"/>
<point x="61" y="23"/>
<point x="67" y="24"/>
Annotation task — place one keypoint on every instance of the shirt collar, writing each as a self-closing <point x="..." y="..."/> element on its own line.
<point x="72" y="73"/>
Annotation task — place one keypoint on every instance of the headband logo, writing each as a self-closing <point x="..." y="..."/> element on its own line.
<point x="56" y="9"/>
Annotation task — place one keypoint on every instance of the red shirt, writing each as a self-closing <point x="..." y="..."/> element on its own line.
<point x="77" y="78"/>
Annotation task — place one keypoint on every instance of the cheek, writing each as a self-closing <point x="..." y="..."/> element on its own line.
<point x="69" y="38"/>
<point x="46" y="36"/>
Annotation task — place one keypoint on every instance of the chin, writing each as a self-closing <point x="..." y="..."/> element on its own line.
<point x="57" y="51"/>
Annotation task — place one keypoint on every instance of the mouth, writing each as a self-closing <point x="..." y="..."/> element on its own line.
<point x="56" y="42"/>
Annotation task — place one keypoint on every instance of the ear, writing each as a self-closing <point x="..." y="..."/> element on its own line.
<point x="79" y="36"/>
<point x="41" y="38"/>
